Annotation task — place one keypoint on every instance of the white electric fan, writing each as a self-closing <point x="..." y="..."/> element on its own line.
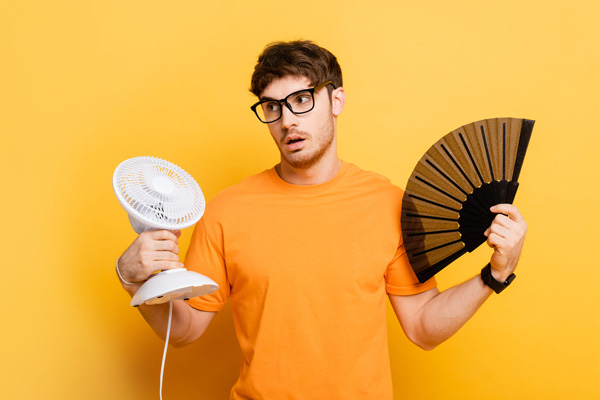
<point x="160" y="195"/>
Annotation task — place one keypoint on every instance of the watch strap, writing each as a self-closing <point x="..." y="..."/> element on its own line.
<point x="488" y="279"/>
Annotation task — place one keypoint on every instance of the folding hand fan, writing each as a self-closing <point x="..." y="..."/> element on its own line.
<point x="446" y="205"/>
<point x="160" y="195"/>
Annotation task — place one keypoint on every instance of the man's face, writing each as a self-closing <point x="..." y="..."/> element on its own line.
<point x="303" y="139"/>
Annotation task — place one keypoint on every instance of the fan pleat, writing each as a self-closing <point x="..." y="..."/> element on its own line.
<point x="454" y="166"/>
<point x="429" y="242"/>
<point x="512" y="139"/>
<point x="474" y="144"/>
<point x="422" y="263"/>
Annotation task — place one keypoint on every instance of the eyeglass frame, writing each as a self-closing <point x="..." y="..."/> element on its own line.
<point x="288" y="105"/>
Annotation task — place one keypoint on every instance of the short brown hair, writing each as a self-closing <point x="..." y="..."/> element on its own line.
<point x="295" y="58"/>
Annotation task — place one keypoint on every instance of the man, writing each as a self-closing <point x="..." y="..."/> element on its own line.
<point x="307" y="252"/>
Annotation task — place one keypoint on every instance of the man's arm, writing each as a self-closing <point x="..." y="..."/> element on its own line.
<point x="154" y="251"/>
<point x="431" y="317"/>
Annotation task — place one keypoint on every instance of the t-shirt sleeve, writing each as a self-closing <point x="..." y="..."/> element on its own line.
<point x="400" y="278"/>
<point x="205" y="256"/>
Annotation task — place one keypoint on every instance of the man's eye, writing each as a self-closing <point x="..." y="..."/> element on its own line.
<point x="301" y="99"/>
<point x="271" y="106"/>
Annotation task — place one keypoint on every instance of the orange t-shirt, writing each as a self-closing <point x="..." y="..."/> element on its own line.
<point x="307" y="269"/>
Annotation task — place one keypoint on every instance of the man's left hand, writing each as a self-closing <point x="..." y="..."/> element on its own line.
<point x="505" y="235"/>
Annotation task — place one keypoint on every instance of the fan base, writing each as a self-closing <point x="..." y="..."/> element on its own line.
<point x="173" y="284"/>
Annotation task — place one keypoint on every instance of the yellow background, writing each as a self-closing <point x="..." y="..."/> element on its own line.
<point x="87" y="84"/>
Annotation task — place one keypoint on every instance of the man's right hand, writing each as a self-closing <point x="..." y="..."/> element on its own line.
<point x="150" y="252"/>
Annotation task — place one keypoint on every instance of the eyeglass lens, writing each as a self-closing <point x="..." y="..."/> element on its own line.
<point x="299" y="102"/>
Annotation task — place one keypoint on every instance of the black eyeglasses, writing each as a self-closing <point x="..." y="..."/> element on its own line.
<point x="299" y="102"/>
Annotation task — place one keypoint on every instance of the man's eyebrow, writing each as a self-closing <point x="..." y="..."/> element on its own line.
<point x="267" y="98"/>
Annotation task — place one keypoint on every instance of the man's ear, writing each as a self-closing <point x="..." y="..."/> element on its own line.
<point x="338" y="99"/>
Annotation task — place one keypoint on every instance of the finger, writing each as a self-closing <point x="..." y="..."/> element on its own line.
<point x="161" y="263"/>
<point x="161" y="234"/>
<point x="164" y="265"/>
<point x="513" y="229"/>
<point x="499" y="230"/>
<point x="164" y="256"/>
<point x="503" y="220"/>
<point x="509" y="209"/>
<point x="148" y="246"/>
<point x="495" y="241"/>
<point x="165" y="245"/>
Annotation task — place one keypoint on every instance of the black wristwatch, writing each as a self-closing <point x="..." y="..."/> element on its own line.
<point x="488" y="279"/>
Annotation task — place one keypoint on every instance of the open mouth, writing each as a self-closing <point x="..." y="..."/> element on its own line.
<point x="294" y="142"/>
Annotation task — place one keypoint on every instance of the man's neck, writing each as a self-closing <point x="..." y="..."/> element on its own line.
<point x="321" y="172"/>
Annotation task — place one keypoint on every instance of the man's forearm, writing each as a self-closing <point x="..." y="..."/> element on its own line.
<point x="157" y="316"/>
<point x="187" y="324"/>
<point x="446" y="312"/>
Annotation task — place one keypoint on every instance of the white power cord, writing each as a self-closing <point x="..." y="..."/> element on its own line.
<point x="162" y="367"/>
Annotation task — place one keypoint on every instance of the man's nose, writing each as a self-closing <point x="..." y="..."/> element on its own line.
<point x="288" y="118"/>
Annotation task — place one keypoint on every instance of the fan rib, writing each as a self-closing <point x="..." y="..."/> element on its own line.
<point x="487" y="152"/>
<point x="436" y="248"/>
<point x="458" y="166"/>
<point x="447" y="177"/>
<point x="432" y="217"/>
<point x="425" y="274"/>
<point x="478" y="202"/>
<point x="432" y="232"/>
<point x="470" y="157"/>
<point x="467" y="213"/>
<point x="524" y="137"/>
<point x="504" y="151"/>
<point x="431" y="185"/>
<point x="433" y="202"/>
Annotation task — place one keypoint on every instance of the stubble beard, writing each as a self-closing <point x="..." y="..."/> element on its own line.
<point x="304" y="159"/>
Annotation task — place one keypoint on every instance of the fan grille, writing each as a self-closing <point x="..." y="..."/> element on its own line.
<point x="158" y="193"/>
